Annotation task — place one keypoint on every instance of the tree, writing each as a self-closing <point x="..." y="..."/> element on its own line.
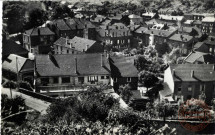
<point x="125" y="20"/>
<point x="14" y="12"/>
<point x="162" y="48"/>
<point x="125" y="92"/>
<point x="140" y="62"/>
<point x="37" y="17"/>
<point x="148" y="79"/>
<point x="61" y="12"/>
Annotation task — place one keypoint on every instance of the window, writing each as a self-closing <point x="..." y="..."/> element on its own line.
<point x="128" y="40"/>
<point x="44" y="80"/>
<point x="111" y="42"/>
<point x="66" y="80"/>
<point x="129" y="79"/>
<point x="189" y="88"/>
<point x="115" y="79"/>
<point x="92" y="78"/>
<point x="51" y="38"/>
<point x="41" y="39"/>
<point x="117" y="41"/>
<point x="179" y="88"/>
<point x="107" y="77"/>
<point x="202" y="87"/>
<point x="81" y="80"/>
<point x="55" y="80"/>
<point x="210" y="50"/>
<point x="67" y="51"/>
<point x="32" y="50"/>
<point x="102" y="77"/>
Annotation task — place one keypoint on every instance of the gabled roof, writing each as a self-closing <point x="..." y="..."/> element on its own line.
<point x="181" y="38"/>
<point x="185" y="29"/>
<point x="123" y="67"/>
<point x="78" y="43"/>
<point x="13" y="62"/>
<point x="64" y="65"/>
<point x="11" y="47"/>
<point x="161" y="33"/>
<point x="200" y="57"/>
<point x="39" y="30"/>
<point x="61" y="24"/>
<point x="141" y="30"/>
<point x="201" y="72"/>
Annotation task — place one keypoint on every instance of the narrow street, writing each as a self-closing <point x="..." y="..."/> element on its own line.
<point x="37" y="104"/>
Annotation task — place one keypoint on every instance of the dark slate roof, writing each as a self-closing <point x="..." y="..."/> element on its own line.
<point x="209" y="42"/>
<point x="161" y="33"/>
<point x="61" y="24"/>
<point x="202" y="72"/>
<point x="64" y="65"/>
<point x="42" y="30"/>
<point x="78" y="43"/>
<point x="185" y="29"/>
<point x="13" y="62"/>
<point x="123" y="67"/>
<point x="177" y="37"/>
<point x="200" y="57"/>
<point x="198" y="45"/>
<point x="11" y="47"/>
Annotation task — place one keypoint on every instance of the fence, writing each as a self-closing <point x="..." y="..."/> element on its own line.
<point x="37" y="95"/>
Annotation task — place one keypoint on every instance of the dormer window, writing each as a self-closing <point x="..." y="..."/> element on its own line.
<point x="128" y="79"/>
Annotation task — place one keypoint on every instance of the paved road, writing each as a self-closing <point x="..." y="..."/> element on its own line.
<point x="31" y="102"/>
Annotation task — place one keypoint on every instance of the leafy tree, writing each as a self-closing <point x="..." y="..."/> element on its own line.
<point x="14" y="12"/>
<point x="125" y="92"/>
<point x="140" y="62"/>
<point x="37" y="17"/>
<point x="148" y="79"/>
<point x="61" y="12"/>
<point x="12" y="106"/>
<point x="125" y="20"/>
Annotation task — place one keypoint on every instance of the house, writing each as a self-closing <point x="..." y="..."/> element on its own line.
<point x="18" y="68"/>
<point x="135" y="19"/>
<point x="199" y="58"/>
<point x="148" y="15"/>
<point x="170" y="18"/>
<point x="140" y="36"/>
<point x="210" y="42"/>
<point x="123" y="72"/>
<point x="38" y="40"/>
<point x="201" y="47"/>
<point x="76" y="45"/>
<point x="70" y="72"/>
<point x="116" y="35"/>
<point x="187" y="81"/>
<point x="156" y="36"/>
<point x="208" y="25"/>
<point x="97" y="19"/>
<point x="73" y="27"/>
<point x="184" y="42"/>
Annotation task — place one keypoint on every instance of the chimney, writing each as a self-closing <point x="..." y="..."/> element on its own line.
<point x="102" y="63"/>
<point x="76" y="65"/>
<point x="87" y="47"/>
<point x="192" y="73"/>
<point x="38" y="30"/>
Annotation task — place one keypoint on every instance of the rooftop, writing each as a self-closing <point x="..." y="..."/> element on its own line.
<point x="161" y="33"/>
<point x="123" y="67"/>
<point x="201" y="72"/>
<point x="78" y="43"/>
<point x="169" y="17"/>
<point x="65" y="65"/>
<point x="200" y="57"/>
<point x="39" y="31"/>
<point x="181" y="38"/>
<point x="208" y="19"/>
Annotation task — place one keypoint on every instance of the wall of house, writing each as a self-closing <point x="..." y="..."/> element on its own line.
<point x="169" y="79"/>
<point x="184" y="50"/>
<point x="196" y="87"/>
<point x="123" y="81"/>
<point x="208" y="27"/>
<point x="65" y="50"/>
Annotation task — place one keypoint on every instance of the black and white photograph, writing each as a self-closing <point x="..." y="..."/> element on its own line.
<point x="107" y="67"/>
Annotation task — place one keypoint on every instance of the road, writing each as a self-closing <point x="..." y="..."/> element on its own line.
<point x="31" y="102"/>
